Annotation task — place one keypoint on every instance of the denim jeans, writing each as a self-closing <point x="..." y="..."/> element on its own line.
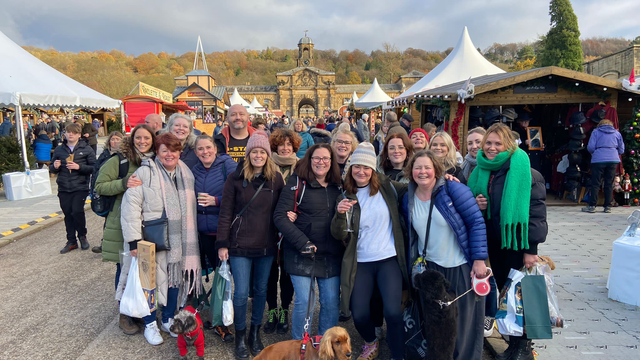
<point x="169" y="310"/>
<point x="241" y="271"/>
<point x="329" y="289"/>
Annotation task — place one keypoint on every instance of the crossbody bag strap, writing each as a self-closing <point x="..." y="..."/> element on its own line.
<point x="426" y="237"/>
<point x="249" y="203"/>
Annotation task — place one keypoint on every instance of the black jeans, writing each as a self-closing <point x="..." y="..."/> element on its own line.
<point x="72" y="205"/>
<point x="286" y="286"/>
<point x="387" y="275"/>
<point x="599" y="172"/>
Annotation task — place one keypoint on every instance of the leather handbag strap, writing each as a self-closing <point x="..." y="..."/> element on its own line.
<point x="426" y="237"/>
<point x="249" y="203"/>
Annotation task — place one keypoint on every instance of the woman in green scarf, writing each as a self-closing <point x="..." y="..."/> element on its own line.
<point x="512" y="198"/>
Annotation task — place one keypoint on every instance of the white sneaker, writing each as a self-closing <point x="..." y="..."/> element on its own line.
<point x="166" y="326"/>
<point x="152" y="334"/>
<point x="488" y="326"/>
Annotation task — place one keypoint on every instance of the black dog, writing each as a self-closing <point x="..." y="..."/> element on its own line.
<point x="440" y="321"/>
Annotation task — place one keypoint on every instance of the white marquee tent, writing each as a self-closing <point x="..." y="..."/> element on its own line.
<point x="236" y="99"/>
<point x="373" y="97"/>
<point x="464" y="62"/>
<point x="25" y="80"/>
<point x="256" y="105"/>
<point x="354" y="97"/>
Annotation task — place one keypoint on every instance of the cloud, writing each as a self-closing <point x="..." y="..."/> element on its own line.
<point x="136" y="27"/>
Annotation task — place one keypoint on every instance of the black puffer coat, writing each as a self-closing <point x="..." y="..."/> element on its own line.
<point x="254" y="233"/>
<point x="538" y="227"/>
<point x="73" y="180"/>
<point x="315" y="212"/>
<point x="89" y="129"/>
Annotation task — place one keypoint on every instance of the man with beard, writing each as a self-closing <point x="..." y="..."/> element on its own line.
<point x="233" y="139"/>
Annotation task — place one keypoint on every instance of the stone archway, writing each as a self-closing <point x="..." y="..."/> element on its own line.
<point x="306" y="107"/>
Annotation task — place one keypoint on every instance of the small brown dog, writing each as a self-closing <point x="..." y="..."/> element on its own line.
<point x="335" y="345"/>
<point x="188" y="325"/>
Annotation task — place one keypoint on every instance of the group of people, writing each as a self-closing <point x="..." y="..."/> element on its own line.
<point x="285" y="209"/>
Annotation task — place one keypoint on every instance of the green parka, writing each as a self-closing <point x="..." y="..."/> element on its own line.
<point x="391" y="192"/>
<point x="108" y="184"/>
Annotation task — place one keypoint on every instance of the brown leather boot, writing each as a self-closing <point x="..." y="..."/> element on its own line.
<point x="127" y="325"/>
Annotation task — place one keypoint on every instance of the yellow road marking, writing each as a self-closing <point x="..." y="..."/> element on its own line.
<point x="7" y="233"/>
<point x="53" y="215"/>
<point x="24" y="226"/>
<point x="39" y="220"/>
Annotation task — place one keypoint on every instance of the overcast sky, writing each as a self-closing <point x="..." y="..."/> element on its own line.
<point x="136" y="26"/>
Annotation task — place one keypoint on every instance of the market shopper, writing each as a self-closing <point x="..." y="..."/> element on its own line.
<point x="303" y="131"/>
<point x="442" y="145"/>
<point x="512" y="196"/>
<point x="136" y="148"/>
<point x="73" y="163"/>
<point x="42" y="146"/>
<point x="248" y="237"/>
<point x="284" y="144"/>
<point x="154" y="121"/>
<point x="167" y="190"/>
<point x="233" y="139"/>
<point x="343" y="142"/>
<point x="375" y="252"/>
<point x="309" y="199"/>
<point x="363" y="127"/>
<point x="397" y="151"/>
<point x="454" y="244"/>
<point x="419" y="138"/>
<point x="89" y="134"/>
<point x="110" y="147"/>
<point x="606" y="146"/>
<point x="180" y="126"/>
<point x="474" y="139"/>
<point x="210" y="175"/>
<point x="380" y="137"/>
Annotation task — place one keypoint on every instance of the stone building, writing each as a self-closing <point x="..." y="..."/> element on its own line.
<point x="617" y="65"/>
<point x="305" y="90"/>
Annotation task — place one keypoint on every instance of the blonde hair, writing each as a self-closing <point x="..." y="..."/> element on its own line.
<point x="249" y="172"/>
<point x="605" y="122"/>
<point x="354" y="140"/>
<point x="450" y="161"/>
<point x="292" y="126"/>
<point x="191" y="138"/>
<point x="504" y="133"/>
<point x="477" y="130"/>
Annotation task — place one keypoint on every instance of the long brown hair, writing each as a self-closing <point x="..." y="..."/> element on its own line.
<point x="304" y="166"/>
<point x="350" y="183"/>
<point x="384" y="154"/>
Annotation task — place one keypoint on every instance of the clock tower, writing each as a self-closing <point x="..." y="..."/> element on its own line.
<point x="305" y="51"/>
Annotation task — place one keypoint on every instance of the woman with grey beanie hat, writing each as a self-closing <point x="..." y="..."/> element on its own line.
<point x="375" y="253"/>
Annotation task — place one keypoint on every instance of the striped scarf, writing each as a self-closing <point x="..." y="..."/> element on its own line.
<point x="183" y="260"/>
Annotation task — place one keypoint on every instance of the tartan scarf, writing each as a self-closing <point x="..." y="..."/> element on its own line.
<point x="516" y="195"/>
<point x="183" y="260"/>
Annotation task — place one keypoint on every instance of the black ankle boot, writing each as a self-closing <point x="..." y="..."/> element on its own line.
<point x="272" y="319"/>
<point x="255" y="344"/>
<point x="524" y="351"/>
<point x="242" y="350"/>
<point x="283" y="321"/>
<point x="513" y="347"/>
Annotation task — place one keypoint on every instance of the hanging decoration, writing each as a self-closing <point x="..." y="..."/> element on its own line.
<point x="455" y="126"/>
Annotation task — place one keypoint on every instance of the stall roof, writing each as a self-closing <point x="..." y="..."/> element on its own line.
<point x="463" y="62"/>
<point x="26" y="80"/>
<point x="488" y="83"/>
<point x="236" y="99"/>
<point x="374" y="97"/>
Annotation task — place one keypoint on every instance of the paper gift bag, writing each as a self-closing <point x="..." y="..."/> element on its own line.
<point x="536" y="307"/>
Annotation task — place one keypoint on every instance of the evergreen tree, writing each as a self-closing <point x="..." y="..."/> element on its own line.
<point x="631" y="158"/>
<point x="635" y="41"/>
<point x="561" y="46"/>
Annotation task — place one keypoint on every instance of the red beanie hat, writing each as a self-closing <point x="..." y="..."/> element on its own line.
<point x="419" y="130"/>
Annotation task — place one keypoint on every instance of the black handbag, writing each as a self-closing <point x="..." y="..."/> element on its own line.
<point x="157" y="232"/>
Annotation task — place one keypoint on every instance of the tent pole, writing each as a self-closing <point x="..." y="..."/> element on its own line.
<point x="122" y="117"/>
<point x="21" y="139"/>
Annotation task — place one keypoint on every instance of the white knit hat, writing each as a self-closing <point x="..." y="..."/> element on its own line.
<point x="365" y="155"/>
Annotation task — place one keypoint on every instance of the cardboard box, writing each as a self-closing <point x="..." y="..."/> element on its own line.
<point x="147" y="268"/>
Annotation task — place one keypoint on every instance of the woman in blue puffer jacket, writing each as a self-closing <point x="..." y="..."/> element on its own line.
<point x="42" y="147"/>
<point x="606" y="146"/>
<point x="457" y="245"/>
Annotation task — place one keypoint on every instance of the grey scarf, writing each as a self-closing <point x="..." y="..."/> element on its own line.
<point x="469" y="164"/>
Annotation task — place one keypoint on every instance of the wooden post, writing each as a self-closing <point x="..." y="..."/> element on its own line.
<point x="464" y="131"/>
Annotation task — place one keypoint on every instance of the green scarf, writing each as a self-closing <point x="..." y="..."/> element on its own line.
<point x="514" y="208"/>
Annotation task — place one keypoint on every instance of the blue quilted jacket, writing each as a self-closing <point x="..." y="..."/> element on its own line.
<point x="459" y="208"/>
<point x="212" y="183"/>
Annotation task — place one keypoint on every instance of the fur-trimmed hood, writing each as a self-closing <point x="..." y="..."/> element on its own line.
<point x="320" y="131"/>
<point x="127" y="149"/>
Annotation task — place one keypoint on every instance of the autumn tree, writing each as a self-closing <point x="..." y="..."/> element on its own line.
<point x="353" y="78"/>
<point x="561" y="45"/>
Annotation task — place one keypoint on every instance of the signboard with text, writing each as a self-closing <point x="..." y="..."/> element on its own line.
<point x="149" y="90"/>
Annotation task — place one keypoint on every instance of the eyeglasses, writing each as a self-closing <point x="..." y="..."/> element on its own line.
<point x="317" y="159"/>
<point x="343" y="142"/>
